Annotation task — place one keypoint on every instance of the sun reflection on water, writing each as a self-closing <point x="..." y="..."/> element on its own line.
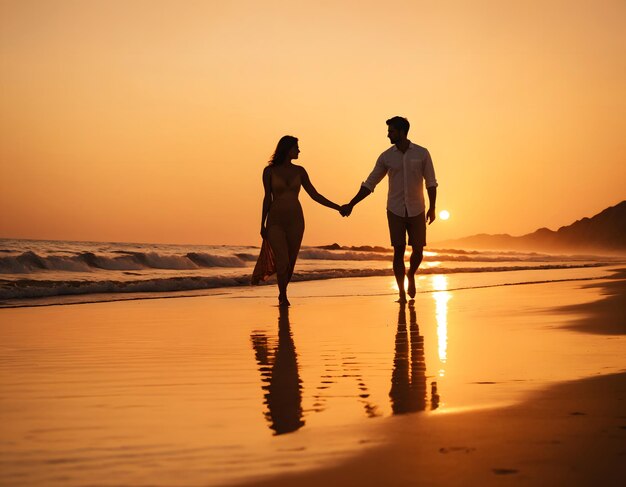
<point x="441" y="297"/>
<point x="426" y="253"/>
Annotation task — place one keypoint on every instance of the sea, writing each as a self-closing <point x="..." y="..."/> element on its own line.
<point x="45" y="272"/>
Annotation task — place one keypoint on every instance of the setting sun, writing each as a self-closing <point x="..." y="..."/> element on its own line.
<point x="444" y="215"/>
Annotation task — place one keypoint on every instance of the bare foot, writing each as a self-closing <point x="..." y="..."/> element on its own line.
<point x="283" y="301"/>
<point x="401" y="299"/>
<point x="411" y="287"/>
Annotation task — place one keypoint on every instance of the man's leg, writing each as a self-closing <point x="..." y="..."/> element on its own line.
<point x="416" y="228"/>
<point x="416" y="259"/>
<point x="399" y="270"/>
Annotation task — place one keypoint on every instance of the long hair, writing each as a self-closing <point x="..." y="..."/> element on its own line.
<point x="285" y="144"/>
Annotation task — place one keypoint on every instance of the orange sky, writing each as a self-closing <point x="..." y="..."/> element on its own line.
<point x="151" y="121"/>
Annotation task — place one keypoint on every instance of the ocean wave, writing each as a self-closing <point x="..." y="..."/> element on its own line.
<point x="34" y="288"/>
<point x="248" y="257"/>
<point x="210" y="260"/>
<point x="343" y="273"/>
<point x="491" y="258"/>
<point x="450" y="256"/>
<point x="30" y="262"/>
<point x="95" y="259"/>
<point x="322" y="254"/>
<point x="31" y="288"/>
<point x="359" y="248"/>
<point x="389" y="250"/>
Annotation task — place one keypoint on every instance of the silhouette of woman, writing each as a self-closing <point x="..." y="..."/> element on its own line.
<point x="278" y="363"/>
<point x="284" y="227"/>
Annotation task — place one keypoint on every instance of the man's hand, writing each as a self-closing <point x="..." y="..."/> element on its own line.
<point x="263" y="233"/>
<point x="431" y="216"/>
<point x="345" y="210"/>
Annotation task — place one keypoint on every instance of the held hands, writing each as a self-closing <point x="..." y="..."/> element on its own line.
<point x="346" y="209"/>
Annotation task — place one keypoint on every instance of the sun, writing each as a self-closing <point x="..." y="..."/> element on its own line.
<point x="444" y="214"/>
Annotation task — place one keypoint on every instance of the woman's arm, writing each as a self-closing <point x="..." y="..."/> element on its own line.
<point x="267" y="199"/>
<point x="315" y="196"/>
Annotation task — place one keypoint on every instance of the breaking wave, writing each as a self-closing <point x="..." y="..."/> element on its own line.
<point x="441" y="256"/>
<point x="50" y="269"/>
<point x="35" y="288"/>
<point x="29" y="262"/>
<point x="129" y="260"/>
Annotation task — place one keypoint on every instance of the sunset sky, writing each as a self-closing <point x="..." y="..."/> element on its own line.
<point x="151" y="121"/>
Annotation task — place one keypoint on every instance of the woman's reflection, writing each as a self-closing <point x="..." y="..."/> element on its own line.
<point x="408" y="379"/>
<point x="279" y="373"/>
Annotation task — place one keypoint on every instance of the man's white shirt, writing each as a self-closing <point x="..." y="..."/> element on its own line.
<point x="407" y="173"/>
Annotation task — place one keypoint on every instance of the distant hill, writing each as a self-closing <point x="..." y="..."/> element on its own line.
<point x="605" y="231"/>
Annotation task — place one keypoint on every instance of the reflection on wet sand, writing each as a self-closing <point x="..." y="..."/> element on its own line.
<point x="283" y="393"/>
<point x="279" y="373"/>
<point x="340" y="365"/>
<point x="442" y="296"/>
<point x="408" y="380"/>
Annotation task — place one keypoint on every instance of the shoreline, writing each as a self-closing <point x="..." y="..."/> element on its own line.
<point x="171" y="391"/>
<point x="601" y="272"/>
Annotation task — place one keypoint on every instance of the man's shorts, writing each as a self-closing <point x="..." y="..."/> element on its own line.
<point x="400" y="226"/>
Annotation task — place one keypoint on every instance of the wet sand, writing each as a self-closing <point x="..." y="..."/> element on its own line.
<point x="572" y="434"/>
<point x="606" y="316"/>
<point x="487" y="385"/>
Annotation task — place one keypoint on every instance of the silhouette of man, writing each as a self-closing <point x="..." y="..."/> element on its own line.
<point x="408" y="166"/>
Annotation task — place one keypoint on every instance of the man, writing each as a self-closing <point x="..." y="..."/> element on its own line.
<point x="408" y="166"/>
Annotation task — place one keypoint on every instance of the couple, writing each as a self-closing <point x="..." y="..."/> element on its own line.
<point x="282" y="223"/>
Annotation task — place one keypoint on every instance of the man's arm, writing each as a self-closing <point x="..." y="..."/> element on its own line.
<point x="431" y="187"/>
<point x="361" y="195"/>
<point x="432" y="198"/>
<point x="367" y="188"/>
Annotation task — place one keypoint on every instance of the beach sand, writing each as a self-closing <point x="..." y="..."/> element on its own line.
<point x="474" y="384"/>
<point x="568" y="435"/>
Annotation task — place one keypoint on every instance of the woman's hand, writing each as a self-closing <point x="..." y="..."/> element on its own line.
<point x="345" y="210"/>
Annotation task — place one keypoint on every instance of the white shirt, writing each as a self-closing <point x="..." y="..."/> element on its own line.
<point x="407" y="173"/>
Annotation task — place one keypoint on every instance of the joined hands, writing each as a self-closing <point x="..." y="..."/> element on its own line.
<point x="345" y="210"/>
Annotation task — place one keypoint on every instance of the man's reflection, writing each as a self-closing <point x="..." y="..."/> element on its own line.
<point x="408" y="379"/>
<point x="279" y="372"/>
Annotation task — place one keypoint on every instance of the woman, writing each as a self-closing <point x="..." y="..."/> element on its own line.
<point x="284" y="227"/>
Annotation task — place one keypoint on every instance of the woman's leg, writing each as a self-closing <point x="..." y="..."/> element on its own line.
<point x="278" y="241"/>
<point x="294" y="239"/>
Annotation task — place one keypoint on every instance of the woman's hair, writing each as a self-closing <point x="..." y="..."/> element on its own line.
<point x="285" y="144"/>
